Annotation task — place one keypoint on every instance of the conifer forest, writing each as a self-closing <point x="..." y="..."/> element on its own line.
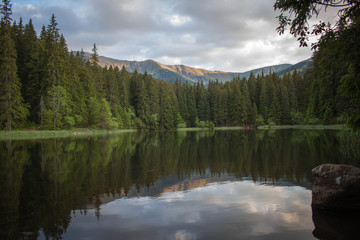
<point x="44" y="85"/>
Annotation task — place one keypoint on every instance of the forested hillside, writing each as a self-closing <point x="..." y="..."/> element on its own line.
<point x="44" y="85"/>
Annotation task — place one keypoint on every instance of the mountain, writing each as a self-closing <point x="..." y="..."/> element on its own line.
<point x="186" y="73"/>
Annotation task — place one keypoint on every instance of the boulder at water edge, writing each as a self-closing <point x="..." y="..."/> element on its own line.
<point x="336" y="187"/>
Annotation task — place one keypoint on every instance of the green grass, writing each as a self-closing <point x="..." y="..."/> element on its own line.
<point x="34" y="134"/>
<point x="207" y="129"/>
<point x="305" y="127"/>
<point x="228" y="128"/>
<point x="188" y="129"/>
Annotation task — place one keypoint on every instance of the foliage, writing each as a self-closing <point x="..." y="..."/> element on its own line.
<point x="335" y="75"/>
<point x="106" y="121"/>
<point x="57" y="112"/>
<point x="302" y="11"/>
<point x="12" y="109"/>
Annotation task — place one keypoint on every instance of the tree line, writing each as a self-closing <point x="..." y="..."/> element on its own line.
<point x="44" y="85"/>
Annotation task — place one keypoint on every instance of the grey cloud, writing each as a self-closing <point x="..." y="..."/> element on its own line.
<point x="216" y="34"/>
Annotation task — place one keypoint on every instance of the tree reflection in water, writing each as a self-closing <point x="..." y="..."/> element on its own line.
<point x="43" y="181"/>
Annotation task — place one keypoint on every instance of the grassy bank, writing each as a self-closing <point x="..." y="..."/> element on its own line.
<point x="30" y="134"/>
<point x="305" y="127"/>
<point x="34" y="134"/>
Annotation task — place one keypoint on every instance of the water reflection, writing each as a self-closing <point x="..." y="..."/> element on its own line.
<point x="335" y="224"/>
<point x="230" y="210"/>
<point x="43" y="182"/>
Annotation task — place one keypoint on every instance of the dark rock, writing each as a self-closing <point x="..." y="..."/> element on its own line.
<point x="336" y="187"/>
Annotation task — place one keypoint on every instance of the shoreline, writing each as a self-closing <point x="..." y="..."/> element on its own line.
<point x="33" y="134"/>
<point x="36" y="134"/>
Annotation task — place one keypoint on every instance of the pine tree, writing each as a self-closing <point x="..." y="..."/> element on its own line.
<point x="191" y="105"/>
<point x="220" y="106"/>
<point x="25" y="66"/>
<point x="97" y="74"/>
<point x="263" y="99"/>
<point x="300" y="91"/>
<point x="139" y="98"/>
<point x="181" y="99"/>
<point x="166" y="117"/>
<point x="52" y="33"/>
<point x="274" y="113"/>
<point x="153" y="92"/>
<point x="105" y="119"/>
<point x="56" y="107"/>
<point x="285" y="105"/>
<point x="236" y="109"/>
<point x="123" y="79"/>
<point x="202" y="102"/>
<point x="111" y="88"/>
<point x="77" y="91"/>
<point x="252" y="87"/>
<point x="18" y="33"/>
<point x="94" y="58"/>
<point x="247" y="108"/>
<point x="12" y="108"/>
<point x="252" y="114"/>
<point x="54" y="65"/>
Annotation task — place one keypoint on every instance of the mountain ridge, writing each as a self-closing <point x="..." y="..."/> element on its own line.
<point x="185" y="73"/>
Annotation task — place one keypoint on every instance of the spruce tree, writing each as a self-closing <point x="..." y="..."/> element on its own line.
<point x="247" y="108"/>
<point x="235" y="103"/>
<point x="166" y="118"/>
<point x="263" y="99"/>
<point x="191" y="105"/>
<point x="58" y="113"/>
<point x="181" y="98"/>
<point x="25" y="66"/>
<point x="139" y="98"/>
<point x="105" y="119"/>
<point x="202" y="102"/>
<point x="94" y="58"/>
<point x="12" y="108"/>
<point x="252" y="87"/>
<point x="123" y="79"/>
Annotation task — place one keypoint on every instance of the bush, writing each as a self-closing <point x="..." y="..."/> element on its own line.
<point x="314" y="121"/>
<point x="211" y="125"/>
<point x="271" y="123"/>
<point x="139" y="123"/>
<point x="259" y="121"/>
<point x="202" y="124"/>
<point x="69" y="122"/>
<point x="297" y="118"/>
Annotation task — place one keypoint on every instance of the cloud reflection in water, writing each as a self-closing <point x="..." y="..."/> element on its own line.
<point x="229" y="210"/>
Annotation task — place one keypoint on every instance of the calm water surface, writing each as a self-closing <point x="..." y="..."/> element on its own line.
<point x="165" y="185"/>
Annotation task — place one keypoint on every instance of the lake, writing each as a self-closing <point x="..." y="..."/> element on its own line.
<point x="239" y="184"/>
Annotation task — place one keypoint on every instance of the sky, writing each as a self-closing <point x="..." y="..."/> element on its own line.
<point x="225" y="35"/>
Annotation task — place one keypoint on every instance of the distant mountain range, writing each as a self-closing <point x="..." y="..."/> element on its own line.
<point x="186" y="73"/>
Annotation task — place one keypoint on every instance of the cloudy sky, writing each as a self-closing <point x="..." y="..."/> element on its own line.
<point x="226" y="35"/>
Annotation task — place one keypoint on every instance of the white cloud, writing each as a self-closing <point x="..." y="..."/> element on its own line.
<point x="184" y="235"/>
<point x="29" y="7"/>
<point x="188" y="38"/>
<point x="168" y="60"/>
<point x="177" y="20"/>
